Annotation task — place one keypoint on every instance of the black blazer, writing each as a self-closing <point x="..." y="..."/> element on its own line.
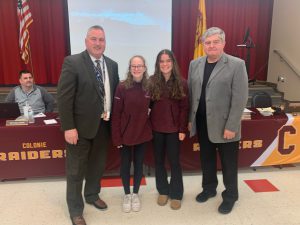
<point x="78" y="96"/>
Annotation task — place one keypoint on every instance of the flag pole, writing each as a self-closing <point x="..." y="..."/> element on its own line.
<point x="30" y="59"/>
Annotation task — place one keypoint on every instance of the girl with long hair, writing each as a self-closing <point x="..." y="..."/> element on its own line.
<point x="169" y="117"/>
<point x="131" y="127"/>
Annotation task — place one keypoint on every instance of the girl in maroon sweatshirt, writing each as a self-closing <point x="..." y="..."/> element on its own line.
<point x="169" y="116"/>
<point x="131" y="127"/>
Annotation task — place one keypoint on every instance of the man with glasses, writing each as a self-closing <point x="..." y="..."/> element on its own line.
<point x="218" y="85"/>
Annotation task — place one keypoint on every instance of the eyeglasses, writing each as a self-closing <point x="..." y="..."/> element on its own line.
<point x="136" y="67"/>
<point x="215" y="42"/>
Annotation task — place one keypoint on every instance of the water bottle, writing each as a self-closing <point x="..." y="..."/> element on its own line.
<point x="25" y="110"/>
<point x="28" y="113"/>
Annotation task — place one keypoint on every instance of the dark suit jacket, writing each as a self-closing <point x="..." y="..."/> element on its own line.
<point x="78" y="95"/>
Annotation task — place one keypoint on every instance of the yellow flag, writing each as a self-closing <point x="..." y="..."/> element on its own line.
<point x="200" y="29"/>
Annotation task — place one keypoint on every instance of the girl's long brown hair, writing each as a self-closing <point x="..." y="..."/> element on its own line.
<point x="158" y="81"/>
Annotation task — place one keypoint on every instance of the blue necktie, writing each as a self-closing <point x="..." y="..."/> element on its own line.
<point x="100" y="79"/>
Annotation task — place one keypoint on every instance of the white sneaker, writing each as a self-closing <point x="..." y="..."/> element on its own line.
<point x="127" y="203"/>
<point x="135" y="203"/>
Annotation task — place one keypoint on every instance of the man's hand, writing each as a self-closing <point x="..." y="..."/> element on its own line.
<point x="228" y="134"/>
<point x="71" y="136"/>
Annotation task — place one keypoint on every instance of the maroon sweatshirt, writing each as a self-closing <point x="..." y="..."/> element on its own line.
<point x="170" y="115"/>
<point x="130" y="119"/>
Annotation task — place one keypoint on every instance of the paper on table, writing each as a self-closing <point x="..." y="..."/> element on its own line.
<point x="266" y="111"/>
<point x="269" y="109"/>
<point x="39" y="115"/>
<point x="247" y="110"/>
<point x="51" y="121"/>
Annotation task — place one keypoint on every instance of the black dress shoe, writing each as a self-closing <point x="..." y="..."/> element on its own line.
<point x="226" y="207"/>
<point x="204" y="196"/>
<point x="99" y="204"/>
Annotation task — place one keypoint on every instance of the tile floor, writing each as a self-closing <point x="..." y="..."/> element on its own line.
<point x="274" y="200"/>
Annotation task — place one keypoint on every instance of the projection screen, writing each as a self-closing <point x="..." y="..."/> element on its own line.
<point x="132" y="27"/>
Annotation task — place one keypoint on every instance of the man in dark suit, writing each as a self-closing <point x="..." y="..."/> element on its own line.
<point x="84" y="94"/>
<point x="218" y="85"/>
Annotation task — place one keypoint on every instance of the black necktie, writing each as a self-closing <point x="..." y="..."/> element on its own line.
<point x="100" y="79"/>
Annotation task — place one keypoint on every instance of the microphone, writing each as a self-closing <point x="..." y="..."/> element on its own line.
<point x="241" y="45"/>
<point x="247" y="34"/>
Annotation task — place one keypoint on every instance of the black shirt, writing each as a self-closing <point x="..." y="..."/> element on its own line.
<point x="209" y="67"/>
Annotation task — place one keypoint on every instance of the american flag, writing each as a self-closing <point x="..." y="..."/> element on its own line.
<point x="25" y="20"/>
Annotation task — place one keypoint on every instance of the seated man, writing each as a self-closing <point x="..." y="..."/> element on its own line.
<point x="37" y="97"/>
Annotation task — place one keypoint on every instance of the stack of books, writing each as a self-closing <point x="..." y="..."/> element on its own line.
<point x="246" y="114"/>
